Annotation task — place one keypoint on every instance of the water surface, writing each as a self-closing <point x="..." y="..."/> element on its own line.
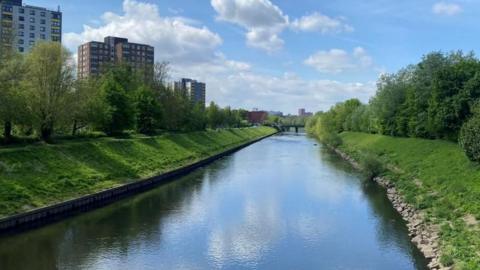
<point x="283" y="203"/>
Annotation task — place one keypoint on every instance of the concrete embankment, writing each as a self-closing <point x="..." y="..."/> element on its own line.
<point x="48" y="214"/>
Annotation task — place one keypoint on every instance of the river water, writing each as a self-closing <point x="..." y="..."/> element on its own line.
<point x="282" y="203"/>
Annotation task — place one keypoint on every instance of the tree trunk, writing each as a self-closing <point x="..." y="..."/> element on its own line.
<point x="46" y="131"/>
<point x="7" y="131"/>
<point x="74" y="128"/>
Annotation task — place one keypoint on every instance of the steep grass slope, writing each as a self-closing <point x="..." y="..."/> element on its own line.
<point x="36" y="176"/>
<point x="437" y="177"/>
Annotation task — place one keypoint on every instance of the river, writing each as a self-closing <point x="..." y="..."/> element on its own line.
<point x="282" y="203"/>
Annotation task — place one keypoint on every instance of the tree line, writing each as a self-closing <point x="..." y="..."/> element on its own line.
<point x="40" y="97"/>
<point x="438" y="98"/>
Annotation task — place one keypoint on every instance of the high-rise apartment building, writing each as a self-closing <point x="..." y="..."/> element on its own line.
<point x="94" y="55"/>
<point x="24" y="25"/>
<point x="303" y="112"/>
<point x="192" y="89"/>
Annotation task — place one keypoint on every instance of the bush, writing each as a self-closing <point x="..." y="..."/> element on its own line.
<point x="470" y="138"/>
<point x="332" y="139"/>
<point x="372" y="166"/>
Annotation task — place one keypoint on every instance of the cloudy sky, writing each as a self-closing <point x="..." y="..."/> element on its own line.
<point x="279" y="54"/>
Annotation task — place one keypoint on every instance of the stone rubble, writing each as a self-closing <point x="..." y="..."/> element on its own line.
<point x="425" y="236"/>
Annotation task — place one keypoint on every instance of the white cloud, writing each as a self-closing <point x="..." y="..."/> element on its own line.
<point x="249" y="89"/>
<point x="265" y="22"/>
<point x="194" y="52"/>
<point x="175" y="39"/>
<point x="444" y="8"/>
<point x="336" y="60"/>
<point x="250" y="13"/>
<point x="317" y="22"/>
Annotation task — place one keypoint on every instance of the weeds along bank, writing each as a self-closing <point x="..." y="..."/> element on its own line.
<point x="36" y="176"/>
<point x="437" y="179"/>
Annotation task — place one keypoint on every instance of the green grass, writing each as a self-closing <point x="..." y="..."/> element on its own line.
<point x="40" y="175"/>
<point x="447" y="186"/>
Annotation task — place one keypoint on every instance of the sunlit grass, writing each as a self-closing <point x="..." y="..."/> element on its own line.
<point x="39" y="175"/>
<point x="449" y="189"/>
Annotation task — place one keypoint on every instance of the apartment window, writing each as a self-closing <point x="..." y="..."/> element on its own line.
<point x="21" y="26"/>
<point x="32" y="19"/>
<point x="42" y="36"/>
<point x="32" y="35"/>
<point x="21" y="33"/>
<point x="22" y="11"/>
<point x="56" y="31"/>
<point x="56" y="15"/>
<point x="43" y="21"/>
<point x="31" y="42"/>
<point x="7" y="17"/>
<point x="32" y="12"/>
<point x="21" y="49"/>
<point x="21" y="18"/>
<point x="55" y="38"/>
<point x="7" y="8"/>
<point x="32" y="27"/>
<point x="42" y="13"/>
<point x="21" y="41"/>
<point x="42" y="28"/>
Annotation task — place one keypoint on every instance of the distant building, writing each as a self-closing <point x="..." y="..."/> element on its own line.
<point x="275" y="113"/>
<point x="92" y="56"/>
<point x="194" y="90"/>
<point x="302" y="112"/>
<point x="25" y="25"/>
<point x="257" y="117"/>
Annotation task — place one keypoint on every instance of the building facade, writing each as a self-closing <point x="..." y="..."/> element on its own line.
<point x="22" y="25"/>
<point x="192" y="89"/>
<point x="303" y="112"/>
<point x="94" y="56"/>
<point x="257" y="117"/>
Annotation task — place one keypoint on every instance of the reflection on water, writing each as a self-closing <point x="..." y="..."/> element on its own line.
<point x="282" y="203"/>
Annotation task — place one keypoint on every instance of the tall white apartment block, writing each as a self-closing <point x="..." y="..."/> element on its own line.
<point x="28" y="24"/>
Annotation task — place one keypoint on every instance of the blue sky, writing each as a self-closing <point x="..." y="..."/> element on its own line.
<point x="279" y="54"/>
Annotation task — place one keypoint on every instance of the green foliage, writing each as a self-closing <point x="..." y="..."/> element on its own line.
<point x="49" y="84"/>
<point x="119" y="114"/>
<point x="447" y="186"/>
<point x="39" y="175"/>
<point x="217" y="117"/>
<point x="148" y="111"/>
<point x="470" y="138"/>
<point x="326" y="126"/>
<point x="371" y="165"/>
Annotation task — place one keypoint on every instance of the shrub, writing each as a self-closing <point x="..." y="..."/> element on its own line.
<point x="372" y="166"/>
<point x="332" y="139"/>
<point x="470" y="138"/>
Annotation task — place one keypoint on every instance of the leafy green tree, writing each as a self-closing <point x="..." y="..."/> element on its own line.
<point x="214" y="116"/>
<point x="85" y="108"/>
<point x="13" y="108"/>
<point x="49" y="84"/>
<point x="148" y="111"/>
<point x="119" y="112"/>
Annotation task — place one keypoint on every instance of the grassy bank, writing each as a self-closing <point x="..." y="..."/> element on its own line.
<point x="40" y="175"/>
<point x="434" y="176"/>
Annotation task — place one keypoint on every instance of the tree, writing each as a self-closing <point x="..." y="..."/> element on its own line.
<point x="12" y="95"/>
<point x="148" y="111"/>
<point x="119" y="113"/>
<point x="214" y="116"/>
<point x="50" y="79"/>
<point x="85" y="108"/>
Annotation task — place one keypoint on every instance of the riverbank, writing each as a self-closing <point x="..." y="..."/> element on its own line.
<point x="435" y="187"/>
<point x="36" y="176"/>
